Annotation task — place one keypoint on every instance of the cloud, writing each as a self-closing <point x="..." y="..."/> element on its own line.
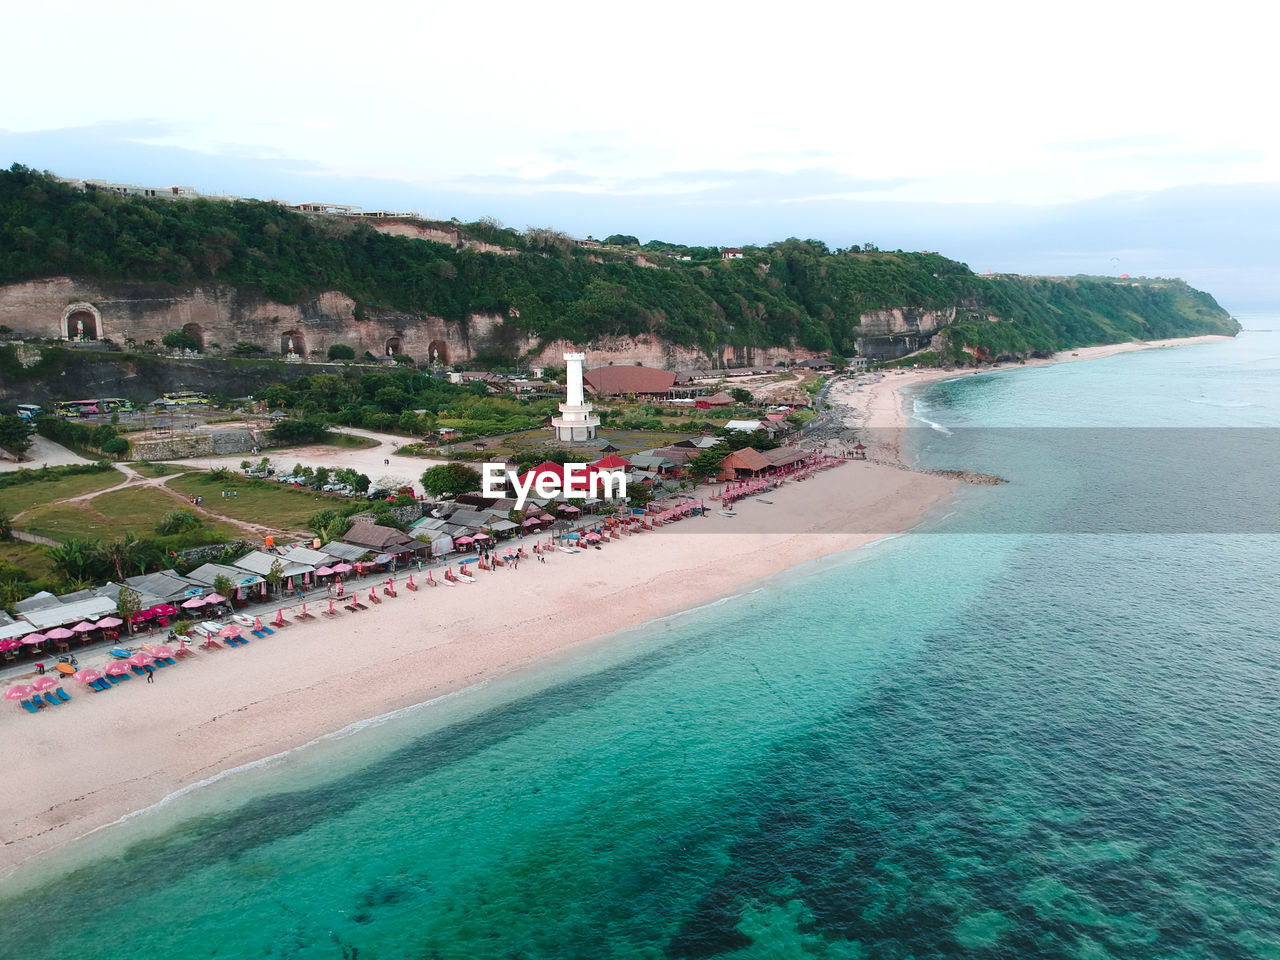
<point x="1116" y="143"/>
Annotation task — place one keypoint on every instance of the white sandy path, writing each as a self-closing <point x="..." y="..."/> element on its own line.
<point x="43" y="453"/>
<point x="85" y="764"/>
<point x="401" y="471"/>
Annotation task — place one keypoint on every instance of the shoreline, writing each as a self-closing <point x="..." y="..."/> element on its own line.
<point x="223" y="710"/>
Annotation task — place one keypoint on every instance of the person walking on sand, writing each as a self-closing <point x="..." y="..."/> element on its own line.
<point x="151" y="676"/>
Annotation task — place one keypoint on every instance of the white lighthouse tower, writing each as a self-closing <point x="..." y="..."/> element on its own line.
<point x="576" y="421"/>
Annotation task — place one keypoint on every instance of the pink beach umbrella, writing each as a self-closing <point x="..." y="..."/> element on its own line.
<point x="194" y="603"/>
<point x="88" y="675"/>
<point x="110" y="622"/>
<point x="230" y="630"/>
<point x="162" y="651"/>
<point x="9" y="644"/>
<point x="215" y="598"/>
<point x="33" y="639"/>
<point x="84" y="626"/>
<point x="257" y="623"/>
<point x="59" y="633"/>
<point x="481" y="536"/>
<point x="117" y="669"/>
<point x="19" y="692"/>
<point x="42" y="684"/>
<point x="289" y="586"/>
<point x="324" y="572"/>
<point x="142" y="659"/>
<point x="342" y="568"/>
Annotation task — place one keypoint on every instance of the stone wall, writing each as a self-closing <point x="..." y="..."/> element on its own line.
<point x="201" y="555"/>
<point x="173" y="448"/>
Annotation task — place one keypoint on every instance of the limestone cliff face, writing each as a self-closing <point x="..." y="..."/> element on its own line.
<point x="220" y="317"/>
<point x="653" y="352"/>
<point x="904" y="320"/>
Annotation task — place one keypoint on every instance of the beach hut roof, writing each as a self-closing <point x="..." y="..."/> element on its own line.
<point x="166" y="585"/>
<point x="260" y="563"/>
<point x="748" y="458"/>
<point x="368" y="534"/>
<point x="784" y="456"/>
<point x="61" y="613"/>
<point x="720" y="399"/>
<point x="746" y="426"/>
<point x="315" y="558"/>
<point x="208" y="572"/>
<point x="37" y="601"/>
<point x="345" y="551"/>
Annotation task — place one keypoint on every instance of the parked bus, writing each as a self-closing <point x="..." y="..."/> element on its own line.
<point x="77" y="408"/>
<point x="184" y="398"/>
<point x="115" y="405"/>
<point x="29" y="411"/>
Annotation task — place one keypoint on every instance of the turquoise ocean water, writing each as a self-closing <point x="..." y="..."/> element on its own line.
<point x="997" y="736"/>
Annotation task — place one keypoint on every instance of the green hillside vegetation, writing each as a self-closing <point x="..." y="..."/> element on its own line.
<point x="794" y="292"/>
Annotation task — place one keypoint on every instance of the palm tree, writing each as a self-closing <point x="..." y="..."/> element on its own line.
<point x="76" y="559"/>
<point x="123" y="555"/>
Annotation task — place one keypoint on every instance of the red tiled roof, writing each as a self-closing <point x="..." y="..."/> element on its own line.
<point x="620" y="379"/>
<point x="612" y="462"/>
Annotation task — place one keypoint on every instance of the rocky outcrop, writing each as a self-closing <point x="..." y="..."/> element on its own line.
<point x="654" y="352"/>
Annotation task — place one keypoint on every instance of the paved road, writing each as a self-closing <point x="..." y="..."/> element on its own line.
<point x="44" y="452"/>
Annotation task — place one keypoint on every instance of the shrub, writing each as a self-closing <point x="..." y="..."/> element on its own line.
<point x="340" y="351"/>
<point x="177" y="521"/>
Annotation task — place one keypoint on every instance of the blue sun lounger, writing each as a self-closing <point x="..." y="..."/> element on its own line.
<point x="258" y="633"/>
<point x="159" y="663"/>
<point x="101" y="684"/>
<point x="263" y="630"/>
<point x="50" y="699"/>
<point x="30" y="707"/>
<point x="62" y="695"/>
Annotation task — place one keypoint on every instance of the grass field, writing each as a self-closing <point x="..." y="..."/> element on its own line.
<point x="257" y="501"/>
<point x="111" y="515"/>
<point x="21" y="496"/>
<point x="29" y="558"/>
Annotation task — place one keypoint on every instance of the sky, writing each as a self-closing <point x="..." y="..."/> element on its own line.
<point x="1038" y="138"/>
